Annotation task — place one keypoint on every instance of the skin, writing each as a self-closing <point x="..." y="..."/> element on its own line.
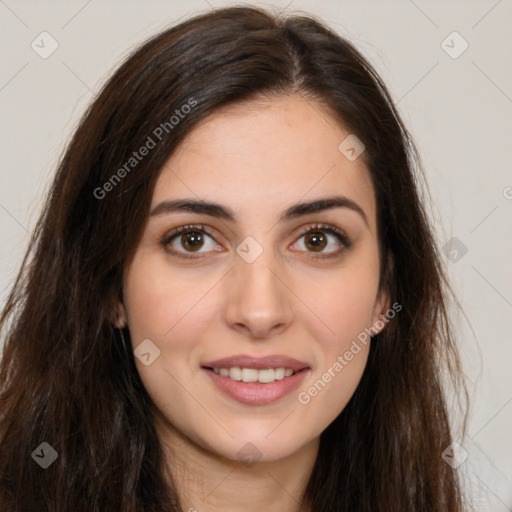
<point x="258" y="159"/>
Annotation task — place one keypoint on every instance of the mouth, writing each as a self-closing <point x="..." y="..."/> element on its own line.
<point x="256" y="381"/>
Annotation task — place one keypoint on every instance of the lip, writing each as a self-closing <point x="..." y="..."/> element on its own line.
<point x="257" y="393"/>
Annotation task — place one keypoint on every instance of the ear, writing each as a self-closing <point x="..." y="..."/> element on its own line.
<point x="120" y="318"/>
<point x="117" y="311"/>
<point x="382" y="307"/>
<point x="380" y="318"/>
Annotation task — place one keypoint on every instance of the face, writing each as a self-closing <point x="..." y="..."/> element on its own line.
<point x="233" y="280"/>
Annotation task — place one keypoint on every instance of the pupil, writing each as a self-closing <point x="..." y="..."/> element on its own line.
<point x="192" y="240"/>
<point x="316" y="241"/>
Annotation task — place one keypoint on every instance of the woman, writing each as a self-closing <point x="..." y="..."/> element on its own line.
<point x="232" y="299"/>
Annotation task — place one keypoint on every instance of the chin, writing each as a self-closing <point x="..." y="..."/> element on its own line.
<point x="253" y="445"/>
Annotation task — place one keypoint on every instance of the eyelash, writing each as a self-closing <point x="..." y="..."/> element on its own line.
<point x="326" y="228"/>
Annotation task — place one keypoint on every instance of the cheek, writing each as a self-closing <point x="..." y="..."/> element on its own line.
<point x="160" y="304"/>
<point x="344" y="309"/>
<point x="341" y="352"/>
<point x="170" y="309"/>
<point x="343" y="301"/>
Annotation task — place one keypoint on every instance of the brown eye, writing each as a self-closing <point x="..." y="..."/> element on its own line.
<point x="315" y="241"/>
<point x="186" y="240"/>
<point x="325" y="240"/>
<point x="192" y="241"/>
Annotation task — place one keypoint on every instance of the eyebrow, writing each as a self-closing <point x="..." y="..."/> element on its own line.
<point x="222" y="212"/>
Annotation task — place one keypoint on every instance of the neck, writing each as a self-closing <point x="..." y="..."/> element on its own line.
<point x="208" y="482"/>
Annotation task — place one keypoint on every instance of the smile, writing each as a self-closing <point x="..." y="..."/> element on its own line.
<point x="256" y="380"/>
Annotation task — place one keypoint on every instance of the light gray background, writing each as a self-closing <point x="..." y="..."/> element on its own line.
<point x="459" y="111"/>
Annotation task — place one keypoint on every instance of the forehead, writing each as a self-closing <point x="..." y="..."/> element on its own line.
<point x="259" y="156"/>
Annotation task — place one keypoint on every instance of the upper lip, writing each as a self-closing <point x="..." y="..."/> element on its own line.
<point x="258" y="363"/>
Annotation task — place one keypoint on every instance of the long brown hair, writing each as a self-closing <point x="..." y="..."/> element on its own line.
<point x="67" y="378"/>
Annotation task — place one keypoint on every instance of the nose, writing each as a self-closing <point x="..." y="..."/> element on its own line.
<point x="258" y="302"/>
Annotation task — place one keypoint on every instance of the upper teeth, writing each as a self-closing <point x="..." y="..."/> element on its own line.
<point x="253" y="375"/>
